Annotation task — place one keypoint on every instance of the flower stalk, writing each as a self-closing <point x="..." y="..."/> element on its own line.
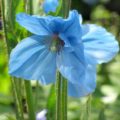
<point x="61" y="98"/>
<point x="58" y="97"/>
<point x="66" y="8"/>
<point x="61" y="85"/>
<point x="64" y="99"/>
<point x="4" y="27"/>
<point x="29" y="98"/>
<point x="88" y="107"/>
<point x="18" y="103"/>
<point x="18" y="100"/>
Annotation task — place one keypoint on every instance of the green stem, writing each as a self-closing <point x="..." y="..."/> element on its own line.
<point x="31" y="6"/>
<point x="19" y="96"/>
<point x="20" y="113"/>
<point x="4" y="26"/>
<point x="36" y="95"/>
<point x="64" y="99"/>
<point x="16" y="101"/>
<point x="51" y="104"/>
<point x="19" y="110"/>
<point x="58" y="97"/>
<point x="66" y="7"/>
<point x="61" y="98"/>
<point x="88" y="107"/>
<point x="29" y="98"/>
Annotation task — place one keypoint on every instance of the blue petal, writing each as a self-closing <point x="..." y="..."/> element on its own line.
<point x="67" y="28"/>
<point x="50" y="5"/>
<point x="67" y="45"/>
<point x="72" y="28"/>
<point x="31" y="60"/>
<point x="35" y="24"/>
<point x="86" y="86"/>
<point x="80" y="19"/>
<point x="71" y="65"/>
<point x="50" y="25"/>
<point x="59" y="25"/>
<point x="99" y="45"/>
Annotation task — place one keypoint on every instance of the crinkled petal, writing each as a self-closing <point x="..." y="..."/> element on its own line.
<point x="50" y="5"/>
<point x="71" y="66"/>
<point x="50" y="25"/>
<point x="99" y="45"/>
<point x="36" y="25"/>
<point x="67" y="45"/>
<point x="72" y="28"/>
<point x="69" y="27"/>
<point x="31" y="60"/>
<point x="61" y="25"/>
<point x="86" y="86"/>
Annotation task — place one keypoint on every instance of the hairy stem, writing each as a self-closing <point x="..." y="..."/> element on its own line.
<point x="4" y="26"/>
<point x="19" y="110"/>
<point x="88" y="107"/>
<point x="64" y="99"/>
<point x="36" y="95"/>
<point x="29" y="98"/>
<point x="66" y="8"/>
<point x="58" y="97"/>
<point x="18" y="100"/>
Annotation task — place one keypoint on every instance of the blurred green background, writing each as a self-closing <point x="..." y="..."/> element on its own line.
<point x="106" y="98"/>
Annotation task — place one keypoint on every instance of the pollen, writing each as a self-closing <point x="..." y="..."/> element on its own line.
<point x="56" y="44"/>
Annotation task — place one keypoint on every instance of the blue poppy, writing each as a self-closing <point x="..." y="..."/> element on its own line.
<point x="61" y="44"/>
<point x="50" y="5"/>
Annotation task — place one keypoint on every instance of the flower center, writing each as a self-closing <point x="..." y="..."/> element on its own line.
<point x="56" y="44"/>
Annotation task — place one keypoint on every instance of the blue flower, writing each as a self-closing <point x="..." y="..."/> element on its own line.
<point x="61" y="44"/>
<point x="50" y="5"/>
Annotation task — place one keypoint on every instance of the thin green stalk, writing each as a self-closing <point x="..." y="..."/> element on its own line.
<point x="19" y="95"/>
<point x="61" y="98"/>
<point x="66" y="8"/>
<point x="51" y="104"/>
<point x="31" y="6"/>
<point x="36" y="95"/>
<point x="16" y="103"/>
<point x="58" y="97"/>
<point x="19" y="110"/>
<point x="88" y="107"/>
<point x="64" y="99"/>
<point x="20" y="113"/>
<point x="4" y="26"/>
<point x="30" y="102"/>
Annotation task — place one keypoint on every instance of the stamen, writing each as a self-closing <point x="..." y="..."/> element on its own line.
<point x="56" y="44"/>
